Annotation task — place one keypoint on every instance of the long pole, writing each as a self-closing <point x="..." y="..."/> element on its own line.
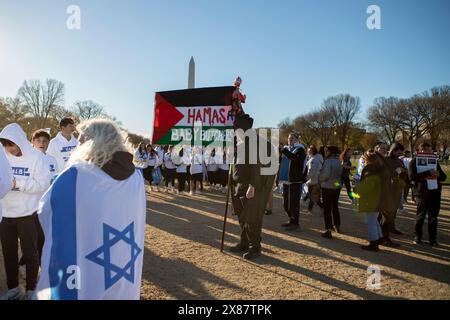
<point x="226" y="209"/>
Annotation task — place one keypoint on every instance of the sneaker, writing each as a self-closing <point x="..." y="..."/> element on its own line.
<point x="434" y="243"/>
<point x="191" y="193"/>
<point x="166" y="190"/>
<point x="13" y="294"/>
<point x="267" y="212"/>
<point x="417" y="240"/>
<point x="287" y="224"/>
<point x="29" y="295"/>
<point x="337" y="229"/>
<point x="327" y="234"/>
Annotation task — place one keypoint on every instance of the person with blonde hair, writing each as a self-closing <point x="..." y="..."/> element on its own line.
<point x="93" y="217"/>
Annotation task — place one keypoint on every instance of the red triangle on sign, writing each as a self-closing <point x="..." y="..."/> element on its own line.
<point x="166" y="117"/>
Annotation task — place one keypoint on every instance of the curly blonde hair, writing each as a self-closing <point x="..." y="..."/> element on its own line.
<point x="99" y="139"/>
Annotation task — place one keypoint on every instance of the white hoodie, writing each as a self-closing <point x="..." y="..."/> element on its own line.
<point x="31" y="173"/>
<point x="53" y="166"/>
<point x="61" y="149"/>
<point x="6" y="177"/>
<point x="196" y="163"/>
<point x="168" y="163"/>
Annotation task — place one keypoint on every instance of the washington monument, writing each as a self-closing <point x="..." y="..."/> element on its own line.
<point x="191" y="77"/>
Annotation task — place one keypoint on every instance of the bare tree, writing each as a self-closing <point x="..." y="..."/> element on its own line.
<point x="41" y="99"/>
<point x="320" y="124"/>
<point x="444" y="139"/>
<point x="436" y="108"/>
<point x="87" y="109"/>
<point x="301" y="126"/>
<point x="12" y="110"/>
<point x="413" y="119"/>
<point x="286" y="127"/>
<point x="343" y="109"/>
<point x="384" y="116"/>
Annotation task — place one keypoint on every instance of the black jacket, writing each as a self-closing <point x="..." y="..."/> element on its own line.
<point x="297" y="172"/>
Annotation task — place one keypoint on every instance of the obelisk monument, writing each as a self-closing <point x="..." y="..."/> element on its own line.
<point x="191" y="77"/>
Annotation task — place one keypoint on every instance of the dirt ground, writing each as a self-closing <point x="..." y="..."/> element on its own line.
<point x="182" y="258"/>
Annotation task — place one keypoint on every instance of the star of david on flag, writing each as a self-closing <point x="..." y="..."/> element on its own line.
<point x="102" y="255"/>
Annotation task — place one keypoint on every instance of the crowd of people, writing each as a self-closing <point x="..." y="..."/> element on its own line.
<point x="382" y="182"/>
<point x="60" y="199"/>
<point x="63" y="198"/>
<point x="182" y="170"/>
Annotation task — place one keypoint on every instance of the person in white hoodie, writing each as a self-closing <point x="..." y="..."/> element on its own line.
<point x="170" y="170"/>
<point x="62" y="146"/>
<point x="6" y="177"/>
<point x="40" y="141"/>
<point x="196" y="170"/>
<point x="31" y="180"/>
<point x="314" y="165"/>
<point x="180" y="159"/>
<point x="141" y="158"/>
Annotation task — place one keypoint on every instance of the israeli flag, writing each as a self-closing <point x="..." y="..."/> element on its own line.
<point x="94" y="230"/>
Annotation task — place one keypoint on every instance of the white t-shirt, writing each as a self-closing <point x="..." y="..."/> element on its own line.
<point x="61" y="149"/>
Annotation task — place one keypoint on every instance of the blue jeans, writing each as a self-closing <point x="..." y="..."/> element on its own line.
<point x="373" y="226"/>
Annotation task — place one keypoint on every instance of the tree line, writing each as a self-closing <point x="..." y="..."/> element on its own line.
<point x="41" y="104"/>
<point x="340" y="121"/>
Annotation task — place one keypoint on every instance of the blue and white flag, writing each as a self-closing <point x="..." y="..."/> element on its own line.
<point x="94" y="230"/>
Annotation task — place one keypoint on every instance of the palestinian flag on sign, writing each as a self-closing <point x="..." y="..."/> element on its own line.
<point x="177" y="111"/>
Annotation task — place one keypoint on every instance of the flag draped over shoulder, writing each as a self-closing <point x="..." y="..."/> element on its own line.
<point x="177" y="111"/>
<point x="94" y="230"/>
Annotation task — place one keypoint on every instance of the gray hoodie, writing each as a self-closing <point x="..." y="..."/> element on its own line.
<point x="330" y="175"/>
<point x="314" y="165"/>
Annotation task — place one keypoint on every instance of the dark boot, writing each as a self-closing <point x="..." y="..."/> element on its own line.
<point x="327" y="234"/>
<point x="252" y="253"/>
<point x="373" y="246"/>
<point x="388" y="243"/>
<point x="239" y="248"/>
<point x="292" y="227"/>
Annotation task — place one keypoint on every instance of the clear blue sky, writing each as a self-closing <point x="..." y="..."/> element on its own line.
<point x="290" y="54"/>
